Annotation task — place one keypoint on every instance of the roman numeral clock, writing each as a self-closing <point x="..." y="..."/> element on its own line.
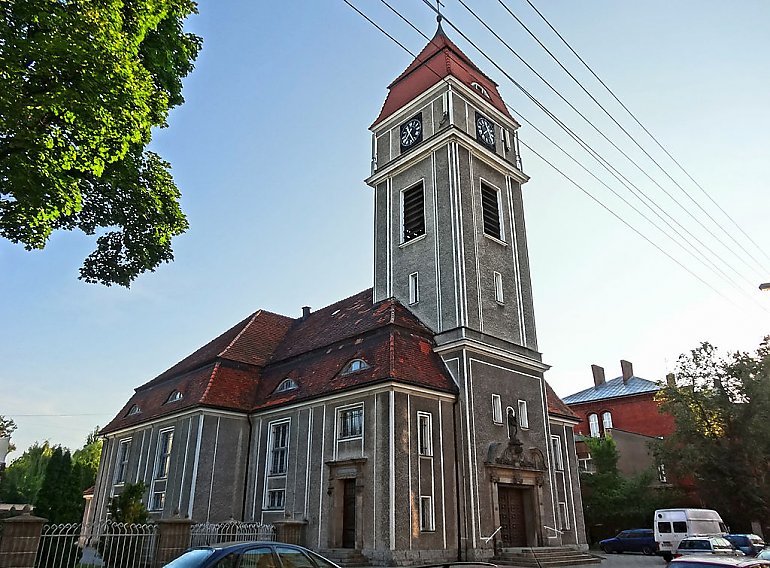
<point x="411" y="132"/>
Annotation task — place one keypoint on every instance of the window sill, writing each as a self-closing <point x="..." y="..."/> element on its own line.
<point x="495" y="240"/>
<point x="414" y="240"/>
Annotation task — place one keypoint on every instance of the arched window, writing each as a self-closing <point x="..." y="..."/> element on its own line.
<point x="355" y="365"/>
<point x="133" y="410"/>
<point x="593" y="425"/>
<point x="607" y="420"/>
<point x="174" y="396"/>
<point x="287" y="385"/>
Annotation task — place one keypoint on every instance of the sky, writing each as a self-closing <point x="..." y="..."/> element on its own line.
<point x="271" y="148"/>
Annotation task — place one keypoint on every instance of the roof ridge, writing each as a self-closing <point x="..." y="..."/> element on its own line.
<point x="240" y="333"/>
<point x="211" y="381"/>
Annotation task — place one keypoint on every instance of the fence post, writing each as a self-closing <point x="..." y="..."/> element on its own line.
<point x="173" y="539"/>
<point x="20" y="540"/>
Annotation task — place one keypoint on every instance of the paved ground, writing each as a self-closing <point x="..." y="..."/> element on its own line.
<point x="630" y="560"/>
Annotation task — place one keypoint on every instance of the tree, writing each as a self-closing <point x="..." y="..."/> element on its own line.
<point x="721" y="406"/>
<point x="612" y="502"/>
<point x="22" y="479"/>
<point x="128" y="507"/>
<point x="82" y="84"/>
<point x="60" y="499"/>
<point x="7" y="427"/>
<point x="85" y="461"/>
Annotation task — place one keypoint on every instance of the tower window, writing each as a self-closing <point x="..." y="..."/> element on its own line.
<point x="558" y="461"/>
<point x="491" y="209"/>
<point x="278" y="448"/>
<point x="414" y="288"/>
<point x="523" y="418"/>
<point x="424" y="434"/>
<point x="498" y="288"/>
<point x="414" y="212"/>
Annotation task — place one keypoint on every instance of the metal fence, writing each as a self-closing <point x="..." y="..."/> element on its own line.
<point x="204" y="534"/>
<point x="107" y="544"/>
<point x="119" y="545"/>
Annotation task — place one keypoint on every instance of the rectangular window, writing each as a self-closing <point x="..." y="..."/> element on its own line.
<point x="664" y="527"/>
<point x="121" y="467"/>
<point x="158" y="501"/>
<point x="680" y="526"/>
<point x="350" y="423"/>
<point x="424" y="434"/>
<point x="662" y="473"/>
<point x="275" y="499"/>
<point x="563" y="518"/>
<point x="593" y="425"/>
<point x="523" y="418"/>
<point x="165" y="441"/>
<point x="279" y="448"/>
<point x="558" y="461"/>
<point x="497" y="409"/>
<point x="427" y="522"/>
<point x="491" y="209"/>
<point x="413" y="212"/>
<point x="498" y="288"/>
<point x="414" y="288"/>
<point x="607" y="421"/>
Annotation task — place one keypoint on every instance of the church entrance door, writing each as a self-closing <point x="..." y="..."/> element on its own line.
<point x="513" y="525"/>
<point x="349" y="514"/>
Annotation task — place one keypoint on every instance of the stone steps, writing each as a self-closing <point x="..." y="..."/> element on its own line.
<point x="544" y="557"/>
<point x="345" y="557"/>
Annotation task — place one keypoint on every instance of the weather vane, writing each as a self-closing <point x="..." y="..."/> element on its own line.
<point x="438" y="10"/>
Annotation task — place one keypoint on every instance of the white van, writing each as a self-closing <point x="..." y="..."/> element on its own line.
<point x="672" y="525"/>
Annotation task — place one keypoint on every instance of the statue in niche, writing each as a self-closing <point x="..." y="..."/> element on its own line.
<point x="513" y="426"/>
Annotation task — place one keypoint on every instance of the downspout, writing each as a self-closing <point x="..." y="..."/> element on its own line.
<point x="457" y="481"/>
<point x="246" y="477"/>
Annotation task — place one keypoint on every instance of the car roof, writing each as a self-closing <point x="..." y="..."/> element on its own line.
<point x="246" y="543"/>
<point x="738" y="561"/>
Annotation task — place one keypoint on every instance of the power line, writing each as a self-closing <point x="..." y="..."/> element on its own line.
<point x="663" y="148"/>
<point x="577" y="138"/>
<point x="598" y="130"/>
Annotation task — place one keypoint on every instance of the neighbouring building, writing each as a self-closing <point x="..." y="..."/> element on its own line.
<point x="626" y="407"/>
<point x="410" y="421"/>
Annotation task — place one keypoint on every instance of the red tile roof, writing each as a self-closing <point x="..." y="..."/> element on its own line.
<point x="556" y="406"/>
<point x="241" y="369"/>
<point x="439" y="59"/>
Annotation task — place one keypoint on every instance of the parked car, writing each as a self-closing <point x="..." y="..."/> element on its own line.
<point x="632" y="540"/>
<point x="749" y="544"/>
<point x="672" y="525"/>
<point x="764" y="554"/>
<point x="706" y="545"/>
<point x="717" y="561"/>
<point x="254" y="554"/>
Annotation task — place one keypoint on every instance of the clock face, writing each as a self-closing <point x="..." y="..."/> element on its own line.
<point x="411" y="132"/>
<point x="485" y="131"/>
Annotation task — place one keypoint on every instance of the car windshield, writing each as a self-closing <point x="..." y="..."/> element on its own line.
<point x="191" y="558"/>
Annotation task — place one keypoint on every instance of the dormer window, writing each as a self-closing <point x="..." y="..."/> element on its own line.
<point x="480" y="89"/>
<point x="133" y="410"/>
<point x="354" y="366"/>
<point x="174" y="396"/>
<point x="287" y="385"/>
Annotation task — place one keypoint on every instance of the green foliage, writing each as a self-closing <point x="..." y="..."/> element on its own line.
<point x="85" y="461"/>
<point x="60" y="500"/>
<point x="722" y="441"/>
<point x="128" y="507"/>
<point x="82" y="84"/>
<point x="612" y="502"/>
<point x="23" y="478"/>
<point x="7" y="427"/>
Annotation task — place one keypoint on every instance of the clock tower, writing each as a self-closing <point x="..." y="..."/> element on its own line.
<point x="449" y="223"/>
<point x="450" y="243"/>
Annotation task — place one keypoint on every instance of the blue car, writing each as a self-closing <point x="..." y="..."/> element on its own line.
<point x="632" y="540"/>
<point x="254" y="554"/>
<point x="749" y="544"/>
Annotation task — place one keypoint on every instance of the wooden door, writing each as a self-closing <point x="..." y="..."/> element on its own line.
<point x="349" y="514"/>
<point x="514" y="530"/>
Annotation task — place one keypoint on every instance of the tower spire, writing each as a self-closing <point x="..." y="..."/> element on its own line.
<point x="439" y="17"/>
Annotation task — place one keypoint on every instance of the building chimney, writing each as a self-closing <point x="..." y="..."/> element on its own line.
<point x="671" y="380"/>
<point x="305" y="311"/>
<point x="628" y="370"/>
<point x="598" y="375"/>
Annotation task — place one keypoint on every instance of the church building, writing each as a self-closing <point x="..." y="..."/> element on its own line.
<point x="410" y="422"/>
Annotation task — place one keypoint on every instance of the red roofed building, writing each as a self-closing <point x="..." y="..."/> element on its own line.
<point x="410" y="422"/>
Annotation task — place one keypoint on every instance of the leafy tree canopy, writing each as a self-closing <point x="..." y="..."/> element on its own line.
<point x="82" y="83"/>
<point x="85" y="461"/>
<point x="612" y="502"/>
<point x="23" y="478"/>
<point x="7" y="427"/>
<point x="60" y="499"/>
<point x="128" y="507"/>
<point x="721" y="406"/>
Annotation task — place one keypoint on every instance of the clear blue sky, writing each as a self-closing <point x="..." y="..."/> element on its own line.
<point x="271" y="149"/>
